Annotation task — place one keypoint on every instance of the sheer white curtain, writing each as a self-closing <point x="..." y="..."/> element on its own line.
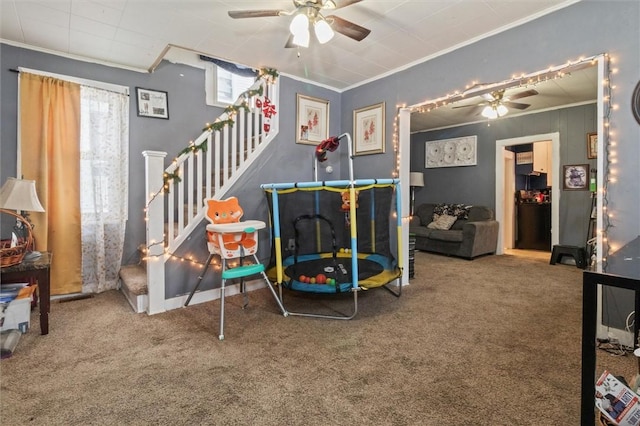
<point x="104" y="175"/>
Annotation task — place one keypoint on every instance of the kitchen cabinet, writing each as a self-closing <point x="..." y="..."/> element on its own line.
<point x="542" y="159"/>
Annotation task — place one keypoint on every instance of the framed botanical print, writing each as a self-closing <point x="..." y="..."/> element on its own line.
<point x="368" y="130"/>
<point x="312" y="120"/>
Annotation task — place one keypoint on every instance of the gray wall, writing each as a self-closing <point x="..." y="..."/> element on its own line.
<point x="285" y="160"/>
<point x="475" y="184"/>
<point x="584" y="29"/>
<point x="187" y="116"/>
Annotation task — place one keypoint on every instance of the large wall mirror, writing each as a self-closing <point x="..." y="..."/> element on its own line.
<point x="483" y="104"/>
<point x="560" y="88"/>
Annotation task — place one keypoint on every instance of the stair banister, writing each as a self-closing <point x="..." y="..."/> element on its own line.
<point x="231" y="146"/>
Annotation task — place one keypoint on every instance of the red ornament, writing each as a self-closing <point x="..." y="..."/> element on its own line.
<point x="268" y="109"/>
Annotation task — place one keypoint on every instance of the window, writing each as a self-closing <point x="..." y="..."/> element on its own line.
<point x="223" y="87"/>
<point x="104" y="155"/>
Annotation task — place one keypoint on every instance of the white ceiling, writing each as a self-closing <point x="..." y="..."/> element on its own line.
<point x="136" y="33"/>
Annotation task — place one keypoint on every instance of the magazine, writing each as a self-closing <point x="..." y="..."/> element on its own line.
<point x="616" y="401"/>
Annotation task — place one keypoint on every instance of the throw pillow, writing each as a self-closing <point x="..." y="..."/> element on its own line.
<point x="442" y="222"/>
<point x="461" y="211"/>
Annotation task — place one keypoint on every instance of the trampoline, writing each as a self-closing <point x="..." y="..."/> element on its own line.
<point x="333" y="237"/>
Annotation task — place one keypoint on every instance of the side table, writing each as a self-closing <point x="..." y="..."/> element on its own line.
<point x="37" y="269"/>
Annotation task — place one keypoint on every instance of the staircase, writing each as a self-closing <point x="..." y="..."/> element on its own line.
<point x="207" y="168"/>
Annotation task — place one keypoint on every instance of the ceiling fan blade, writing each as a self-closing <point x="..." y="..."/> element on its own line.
<point x="477" y="110"/>
<point x="515" y="105"/>
<point x="524" y="94"/>
<point x="467" y="106"/>
<point x="338" y="4"/>
<point x="347" y="28"/>
<point x="240" y="14"/>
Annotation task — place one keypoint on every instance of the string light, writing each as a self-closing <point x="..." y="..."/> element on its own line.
<point x="172" y="173"/>
<point x="552" y="73"/>
<point x="609" y="161"/>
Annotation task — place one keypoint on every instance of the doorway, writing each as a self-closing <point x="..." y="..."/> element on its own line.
<point x="504" y="195"/>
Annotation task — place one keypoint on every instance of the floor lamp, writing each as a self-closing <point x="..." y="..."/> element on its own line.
<point x="416" y="179"/>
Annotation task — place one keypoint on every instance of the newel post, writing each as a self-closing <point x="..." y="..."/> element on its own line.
<point x="154" y="217"/>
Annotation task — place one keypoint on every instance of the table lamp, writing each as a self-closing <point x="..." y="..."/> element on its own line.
<point x="416" y="179"/>
<point x="20" y="195"/>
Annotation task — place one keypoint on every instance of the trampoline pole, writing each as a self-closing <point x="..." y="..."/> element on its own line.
<point x="354" y="236"/>
<point x="400" y="248"/>
<point x="276" y="235"/>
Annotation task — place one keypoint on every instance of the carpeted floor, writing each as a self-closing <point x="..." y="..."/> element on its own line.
<point x="493" y="341"/>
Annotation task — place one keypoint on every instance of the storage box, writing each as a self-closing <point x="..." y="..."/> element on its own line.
<point x="17" y="314"/>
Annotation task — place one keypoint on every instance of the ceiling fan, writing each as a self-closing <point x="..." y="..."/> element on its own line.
<point x="496" y="104"/>
<point x="308" y="13"/>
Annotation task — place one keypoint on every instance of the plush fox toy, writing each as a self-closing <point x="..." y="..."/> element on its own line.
<point x="228" y="211"/>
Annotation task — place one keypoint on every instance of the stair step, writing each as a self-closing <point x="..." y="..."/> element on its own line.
<point x="133" y="279"/>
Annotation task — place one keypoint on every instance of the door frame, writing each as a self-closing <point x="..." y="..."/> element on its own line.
<point x="509" y="158"/>
<point x="501" y="145"/>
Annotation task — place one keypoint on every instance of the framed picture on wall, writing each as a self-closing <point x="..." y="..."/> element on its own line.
<point x="152" y="103"/>
<point x="575" y="177"/>
<point x="312" y="120"/>
<point x="368" y="130"/>
<point x="592" y="145"/>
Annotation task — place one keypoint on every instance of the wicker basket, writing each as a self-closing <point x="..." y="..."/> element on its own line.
<point x="10" y="256"/>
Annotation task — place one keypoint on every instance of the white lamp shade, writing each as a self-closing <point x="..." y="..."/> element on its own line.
<point x="301" y="39"/>
<point x="323" y="31"/>
<point x="502" y="110"/>
<point x="299" y="24"/>
<point x="20" y="194"/>
<point x="416" y="179"/>
<point x="489" y="112"/>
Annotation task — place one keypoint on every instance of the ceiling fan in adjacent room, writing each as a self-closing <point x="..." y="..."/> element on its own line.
<point x="307" y="14"/>
<point x="496" y="104"/>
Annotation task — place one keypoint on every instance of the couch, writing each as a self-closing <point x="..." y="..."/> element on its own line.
<point x="455" y="229"/>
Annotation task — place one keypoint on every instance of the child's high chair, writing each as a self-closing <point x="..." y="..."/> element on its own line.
<point x="229" y="238"/>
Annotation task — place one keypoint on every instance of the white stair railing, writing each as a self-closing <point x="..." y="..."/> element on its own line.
<point x="207" y="168"/>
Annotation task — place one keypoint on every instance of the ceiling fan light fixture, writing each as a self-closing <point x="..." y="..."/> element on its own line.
<point x="299" y="24"/>
<point x="489" y="112"/>
<point x="502" y="110"/>
<point x="301" y="39"/>
<point x="323" y="31"/>
<point x="330" y="4"/>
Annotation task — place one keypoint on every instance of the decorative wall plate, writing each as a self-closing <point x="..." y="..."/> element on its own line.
<point x="635" y="103"/>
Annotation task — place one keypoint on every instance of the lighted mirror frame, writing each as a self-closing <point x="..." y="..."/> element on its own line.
<point x="404" y="144"/>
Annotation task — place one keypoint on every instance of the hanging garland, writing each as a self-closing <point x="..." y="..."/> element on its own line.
<point x="270" y="75"/>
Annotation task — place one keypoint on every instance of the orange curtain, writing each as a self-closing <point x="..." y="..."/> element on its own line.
<point x="50" y="155"/>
